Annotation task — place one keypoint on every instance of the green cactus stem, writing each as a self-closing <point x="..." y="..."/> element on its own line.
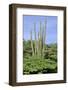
<point x="31" y="43"/>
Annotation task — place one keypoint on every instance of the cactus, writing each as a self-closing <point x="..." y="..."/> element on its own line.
<point x="31" y="43"/>
<point x="44" y="37"/>
<point x="40" y="39"/>
<point x="37" y="43"/>
<point x="38" y="46"/>
<point x="43" y="41"/>
<point x="35" y="38"/>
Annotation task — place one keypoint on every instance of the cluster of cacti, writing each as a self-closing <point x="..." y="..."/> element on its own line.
<point x="38" y="44"/>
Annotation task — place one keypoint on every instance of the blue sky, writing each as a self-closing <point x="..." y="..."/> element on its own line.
<point x="51" y="27"/>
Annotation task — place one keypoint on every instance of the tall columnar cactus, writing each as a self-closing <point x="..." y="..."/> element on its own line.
<point x="43" y="41"/>
<point x="38" y="46"/>
<point x="31" y="43"/>
<point x="35" y="38"/>
<point x="44" y="36"/>
<point x="40" y="38"/>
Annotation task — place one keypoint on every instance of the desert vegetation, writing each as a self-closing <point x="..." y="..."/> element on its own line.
<point x="39" y="57"/>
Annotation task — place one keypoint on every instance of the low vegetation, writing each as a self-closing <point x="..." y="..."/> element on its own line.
<point x="37" y="64"/>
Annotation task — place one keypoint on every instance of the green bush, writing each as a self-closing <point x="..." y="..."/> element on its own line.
<point x="37" y="64"/>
